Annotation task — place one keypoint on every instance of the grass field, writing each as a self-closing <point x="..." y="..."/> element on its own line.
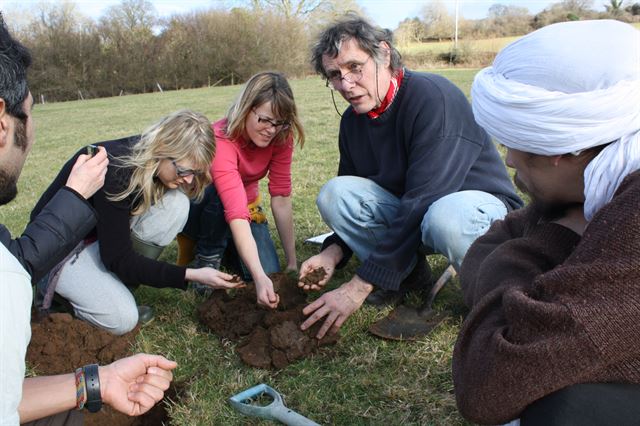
<point x="362" y="380"/>
<point x="436" y="47"/>
<point x="491" y="45"/>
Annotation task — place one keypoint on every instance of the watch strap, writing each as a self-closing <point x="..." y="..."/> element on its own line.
<point x="92" y="383"/>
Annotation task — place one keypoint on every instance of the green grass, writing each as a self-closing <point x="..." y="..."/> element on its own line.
<point x="361" y="380"/>
<point x="483" y="45"/>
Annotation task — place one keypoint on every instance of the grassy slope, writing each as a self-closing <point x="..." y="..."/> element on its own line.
<point x="362" y="380"/>
<point x="484" y="45"/>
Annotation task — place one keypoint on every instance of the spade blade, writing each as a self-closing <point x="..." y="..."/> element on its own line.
<point x="406" y="323"/>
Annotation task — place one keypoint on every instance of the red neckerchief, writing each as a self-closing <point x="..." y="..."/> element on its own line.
<point x="396" y="81"/>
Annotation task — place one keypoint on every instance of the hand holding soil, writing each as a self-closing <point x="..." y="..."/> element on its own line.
<point x="265" y="292"/>
<point x="238" y="281"/>
<point x="309" y="268"/>
<point x="213" y="278"/>
<point x="312" y="279"/>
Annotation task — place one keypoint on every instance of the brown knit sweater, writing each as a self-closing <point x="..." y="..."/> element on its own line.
<point x="549" y="309"/>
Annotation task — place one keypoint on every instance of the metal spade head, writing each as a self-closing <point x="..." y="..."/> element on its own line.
<point x="406" y="323"/>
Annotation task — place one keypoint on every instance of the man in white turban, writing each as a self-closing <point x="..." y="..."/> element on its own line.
<point x="553" y="336"/>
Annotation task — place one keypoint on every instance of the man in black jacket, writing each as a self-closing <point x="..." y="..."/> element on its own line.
<point x="131" y="385"/>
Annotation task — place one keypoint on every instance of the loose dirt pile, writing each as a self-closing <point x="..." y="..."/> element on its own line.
<point x="267" y="338"/>
<point x="60" y="344"/>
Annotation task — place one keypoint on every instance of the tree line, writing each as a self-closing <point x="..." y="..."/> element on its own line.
<point x="131" y="50"/>
<point x="437" y="22"/>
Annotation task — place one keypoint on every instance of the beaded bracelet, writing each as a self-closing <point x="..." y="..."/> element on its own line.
<point x="81" y="391"/>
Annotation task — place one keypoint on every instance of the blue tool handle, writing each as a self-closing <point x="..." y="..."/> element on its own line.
<point x="255" y="391"/>
<point x="290" y="417"/>
<point x="274" y="411"/>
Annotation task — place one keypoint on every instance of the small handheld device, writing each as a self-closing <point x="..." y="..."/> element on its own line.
<point x="92" y="150"/>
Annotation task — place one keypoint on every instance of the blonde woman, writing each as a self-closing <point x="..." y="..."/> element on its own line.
<point x="254" y="140"/>
<point x="143" y="205"/>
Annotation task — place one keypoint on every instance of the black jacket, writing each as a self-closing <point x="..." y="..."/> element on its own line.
<point x="52" y="234"/>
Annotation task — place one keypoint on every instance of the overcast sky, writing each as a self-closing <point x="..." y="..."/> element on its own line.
<point x="386" y="13"/>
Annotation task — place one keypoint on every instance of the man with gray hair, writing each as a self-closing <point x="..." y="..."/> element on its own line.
<point x="554" y="289"/>
<point x="416" y="173"/>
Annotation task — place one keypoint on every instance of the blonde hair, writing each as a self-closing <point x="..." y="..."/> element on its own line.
<point x="182" y="135"/>
<point x="265" y="87"/>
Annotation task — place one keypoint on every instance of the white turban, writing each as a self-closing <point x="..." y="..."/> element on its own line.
<point x="565" y="88"/>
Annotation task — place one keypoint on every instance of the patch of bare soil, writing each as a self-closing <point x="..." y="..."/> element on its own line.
<point x="60" y="344"/>
<point x="267" y="339"/>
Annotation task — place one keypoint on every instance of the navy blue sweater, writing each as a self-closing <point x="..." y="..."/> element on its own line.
<point x="424" y="146"/>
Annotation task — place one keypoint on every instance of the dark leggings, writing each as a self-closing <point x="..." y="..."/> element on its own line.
<point x="589" y="404"/>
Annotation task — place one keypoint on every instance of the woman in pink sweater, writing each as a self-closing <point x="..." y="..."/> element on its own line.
<point x="254" y="140"/>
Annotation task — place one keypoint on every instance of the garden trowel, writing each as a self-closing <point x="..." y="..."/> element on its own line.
<point x="406" y="323"/>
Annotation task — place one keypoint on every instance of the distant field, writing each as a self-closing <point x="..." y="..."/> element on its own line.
<point x="484" y="45"/>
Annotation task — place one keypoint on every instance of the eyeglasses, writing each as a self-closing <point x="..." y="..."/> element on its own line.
<point x="183" y="172"/>
<point x="278" y="125"/>
<point x="334" y="81"/>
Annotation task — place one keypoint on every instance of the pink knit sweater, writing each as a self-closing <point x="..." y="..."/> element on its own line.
<point x="238" y="167"/>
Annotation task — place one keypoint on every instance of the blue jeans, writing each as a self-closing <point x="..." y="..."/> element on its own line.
<point x="206" y="225"/>
<point x="360" y="212"/>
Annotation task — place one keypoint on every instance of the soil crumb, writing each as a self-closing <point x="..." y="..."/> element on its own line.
<point x="314" y="277"/>
<point x="267" y="339"/>
<point x="60" y="344"/>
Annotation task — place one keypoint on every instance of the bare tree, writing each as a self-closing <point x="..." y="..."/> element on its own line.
<point x="288" y="8"/>
<point x="439" y="24"/>
<point x="508" y="20"/>
<point x="127" y="31"/>
<point x="614" y="7"/>
<point x="566" y="10"/>
<point x="411" y="30"/>
<point x="577" y="6"/>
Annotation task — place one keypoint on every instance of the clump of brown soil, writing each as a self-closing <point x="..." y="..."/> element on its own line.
<point x="314" y="277"/>
<point x="60" y="344"/>
<point x="267" y="338"/>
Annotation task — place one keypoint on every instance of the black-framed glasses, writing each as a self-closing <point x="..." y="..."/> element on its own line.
<point x="334" y="81"/>
<point x="278" y="125"/>
<point x="184" y="172"/>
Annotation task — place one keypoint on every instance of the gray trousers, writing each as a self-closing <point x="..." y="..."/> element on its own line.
<point x="97" y="295"/>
